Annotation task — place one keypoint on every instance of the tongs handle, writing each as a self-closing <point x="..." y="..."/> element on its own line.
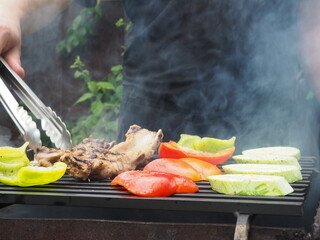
<point x="50" y="122"/>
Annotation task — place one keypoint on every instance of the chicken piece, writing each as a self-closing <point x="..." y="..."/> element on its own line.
<point x="46" y="157"/>
<point x="98" y="159"/>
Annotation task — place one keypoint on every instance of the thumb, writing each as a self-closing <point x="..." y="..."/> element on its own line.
<point x="12" y="57"/>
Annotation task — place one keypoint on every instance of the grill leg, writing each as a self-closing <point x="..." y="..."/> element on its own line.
<point x="242" y="227"/>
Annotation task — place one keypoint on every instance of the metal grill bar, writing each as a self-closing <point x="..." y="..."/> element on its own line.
<point x="69" y="191"/>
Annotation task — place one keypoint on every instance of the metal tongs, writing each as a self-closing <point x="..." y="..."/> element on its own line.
<point x="54" y="128"/>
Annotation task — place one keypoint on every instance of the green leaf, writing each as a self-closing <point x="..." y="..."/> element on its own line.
<point x="97" y="107"/>
<point x="105" y="85"/>
<point x="92" y="86"/>
<point x="84" y="97"/>
<point x="116" y="68"/>
<point x="77" y="74"/>
<point x="120" y="22"/>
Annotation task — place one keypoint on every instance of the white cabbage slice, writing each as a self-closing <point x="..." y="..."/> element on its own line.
<point x="277" y="150"/>
<point x="289" y="172"/>
<point x="249" y="184"/>
<point x="267" y="159"/>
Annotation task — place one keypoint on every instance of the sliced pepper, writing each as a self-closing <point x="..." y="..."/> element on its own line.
<point x="9" y="153"/>
<point x="34" y="175"/>
<point x="187" y="140"/>
<point x="172" y="150"/>
<point x="205" y="169"/>
<point x="206" y="144"/>
<point x="154" y="184"/>
<point x="174" y="166"/>
<point x="192" y="168"/>
<point x="12" y="159"/>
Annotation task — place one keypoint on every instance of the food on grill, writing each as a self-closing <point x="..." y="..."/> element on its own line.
<point x="15" y="169"/>
<point x="174" y="166"/>
<point x="187" y="140"/>
<point x="13" y="152"/>
<point x="194" y="169"/>
<point x="154" y="184"/>
<point x="173" y="150"/>
<point x="99" y="159"/>
<point x="289" y="172"/>
<point x="206" y="144"/>
<point x="278" y="150"/>
<point x="34" y="175"/>
<point x="204" y="168"/>
<point x="250" y="184"/>
<point x="267" y="159"/>
<point x="12" y="159"/>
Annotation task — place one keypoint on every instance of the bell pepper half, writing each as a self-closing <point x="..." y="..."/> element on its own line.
<point x="12" y="153"/>
<point x="205" y="169"/>
<point x="12" y="159"/>
<point x="206" y="144"/>
<point x="34" y="175"/>
<point x="194" y="169"/>
<point x="174" y="166"/>
<point x="172" y="150"/>
<point x="154" y="184"/>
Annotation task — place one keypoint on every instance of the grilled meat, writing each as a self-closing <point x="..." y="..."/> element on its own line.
<point x="99" y="159"/>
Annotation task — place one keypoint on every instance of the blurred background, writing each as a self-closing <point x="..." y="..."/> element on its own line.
<point x="66" y="60"/>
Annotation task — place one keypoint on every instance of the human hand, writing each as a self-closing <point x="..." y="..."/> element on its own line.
<point x="10" y="40"/>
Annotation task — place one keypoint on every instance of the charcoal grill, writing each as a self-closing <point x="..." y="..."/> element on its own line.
<point x="69" y="192"/>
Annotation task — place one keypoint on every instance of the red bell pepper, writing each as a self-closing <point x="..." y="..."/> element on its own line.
<point x="173" y="150"/>
<point x="154" y="184"/>
<point x="174" y="166"/>
<point x="194" y="169"/>
<point x="205" y="169"/>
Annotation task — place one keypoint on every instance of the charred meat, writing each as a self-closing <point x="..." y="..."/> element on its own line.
<point x="99" y="159"/>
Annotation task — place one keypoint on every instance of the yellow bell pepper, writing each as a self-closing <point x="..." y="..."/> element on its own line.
<point x="34" y="175"/>
<point x="15" y="169"/>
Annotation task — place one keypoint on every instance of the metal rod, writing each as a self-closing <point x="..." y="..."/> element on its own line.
<point x="242" y="227"/>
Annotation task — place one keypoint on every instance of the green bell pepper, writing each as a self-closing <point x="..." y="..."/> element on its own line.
<point x="205" y="144"/>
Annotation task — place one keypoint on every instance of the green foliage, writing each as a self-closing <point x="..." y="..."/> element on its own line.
<point x="81" y="28"/>
<point x="127" y="26"/>
<point x="122" y="23"/>
<point x="103" y="98"/>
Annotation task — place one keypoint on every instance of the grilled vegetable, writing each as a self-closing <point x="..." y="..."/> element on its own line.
<point x="289" y="172"/>
<point x="12" y="159"/>
<point x="34" y="175"/>
<point x="204" y="168"/>
<point x="205" y="144"/>
<point x="267" y="159"/>
<point x="173" y="150"/>
<point x="174" y="166"/>
<point x="194" y="169"/>
<point x="278" y="150"/>
<point x="248" y="184"/>
<point x="154" y="184"/>
<point x="11" y="153"/>
<point x="187" y="140"/>
<point x="15" y="169"/>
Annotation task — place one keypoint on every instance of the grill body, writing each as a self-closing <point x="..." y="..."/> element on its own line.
<point x="295" y="210"/>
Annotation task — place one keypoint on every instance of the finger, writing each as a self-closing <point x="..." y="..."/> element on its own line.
<point x="12" y="57"/>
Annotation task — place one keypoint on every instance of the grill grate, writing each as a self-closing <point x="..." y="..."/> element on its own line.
<point x="70" y="192"/>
